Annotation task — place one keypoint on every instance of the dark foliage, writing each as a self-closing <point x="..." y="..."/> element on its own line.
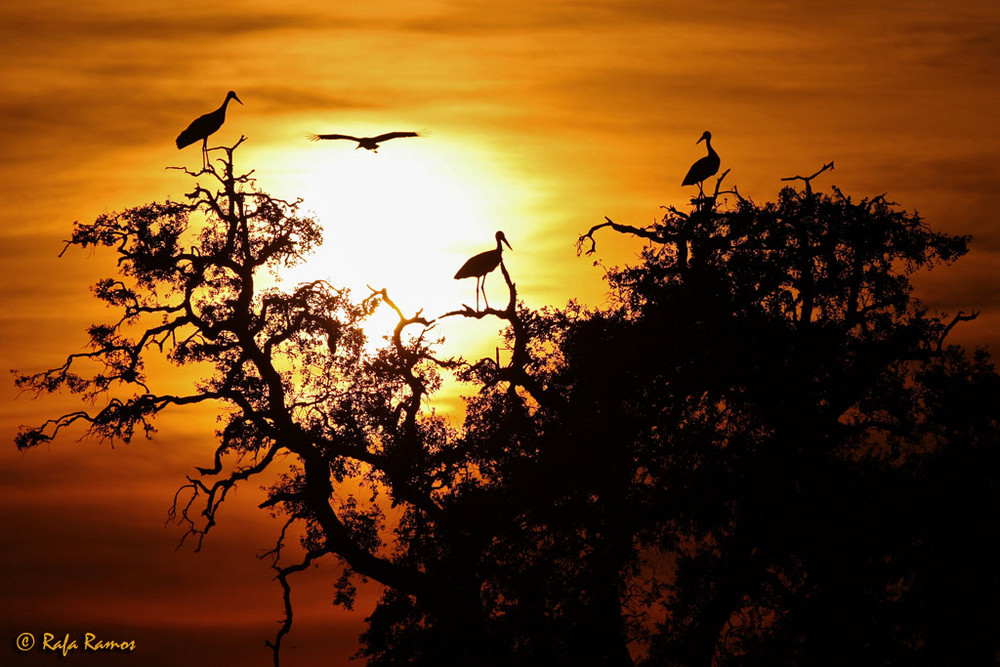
<point x="763" y="453"/>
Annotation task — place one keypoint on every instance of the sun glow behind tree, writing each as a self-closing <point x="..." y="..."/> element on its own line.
<point x="405" y="219"/>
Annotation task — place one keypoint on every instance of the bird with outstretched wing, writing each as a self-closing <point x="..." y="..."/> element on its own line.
<point x="368" y="143"/>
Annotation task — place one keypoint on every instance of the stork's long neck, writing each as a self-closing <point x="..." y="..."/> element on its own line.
<point x="708" y="143"/>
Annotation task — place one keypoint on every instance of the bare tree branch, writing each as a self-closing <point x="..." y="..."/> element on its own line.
<point x="959" y="317"/>
<point x="808" y="179"/>
<point x="642" y="232"/>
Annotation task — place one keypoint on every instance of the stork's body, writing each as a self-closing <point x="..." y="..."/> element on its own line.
<point x="368" y="143"/>
<point x="704" y="168"/>
<point x="482" y="264"/>
<point x="204" y="126"/>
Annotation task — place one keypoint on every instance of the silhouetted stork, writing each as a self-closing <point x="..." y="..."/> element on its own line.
<point x="704" y="168"/>
<point x="202" y="127"/>
<point x="369" y="143"/>
<point x="482" y="264"/>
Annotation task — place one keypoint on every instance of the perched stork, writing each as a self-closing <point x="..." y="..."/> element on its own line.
<point x="368" y="143"/>
<point x="704" y="168"/>
<point x="482" y="264"/>
<point x="202" y="127"/>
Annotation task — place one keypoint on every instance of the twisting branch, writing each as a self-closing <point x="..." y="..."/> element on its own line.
<point x="286" y="590"/>
<point x="403" y="320"/>
<point x="516" y="372"/>
<point x="214" y="496"/>
<point x="733" y="191"/>
<point x="718" y="183"/>
<point x="960" y="317"/>
<point x="642" y="232"/>
<point x="808" y="179"/>
<point x="703" y="203"/>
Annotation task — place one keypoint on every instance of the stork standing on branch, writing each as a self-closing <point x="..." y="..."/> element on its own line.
<point x="704" y="168"/>
<point x="368" y="143"/>
<point x="482" y="264"/>
<point x="204" y="126"/>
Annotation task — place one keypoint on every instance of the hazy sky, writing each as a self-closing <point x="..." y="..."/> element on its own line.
<point x="540" y="119"/>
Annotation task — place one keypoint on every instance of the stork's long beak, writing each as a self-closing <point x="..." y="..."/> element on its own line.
<point x="504" y="239"/>
<point x="700" y="140"/>
<point x="237" y="99"/>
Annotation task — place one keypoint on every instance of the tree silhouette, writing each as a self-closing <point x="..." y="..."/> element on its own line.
<point x="762" y="453"/>
<point x="789" y="387"/>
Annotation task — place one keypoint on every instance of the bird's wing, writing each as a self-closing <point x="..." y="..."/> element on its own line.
<point x="479" y="265"/>
<point x="465" y="271"/>
<point x="470" y="268"/>
<point x="692" y="176"/>
<point x="187" y="137"/>
<point x="394" y="135"/>
<point x="317" y="137"/>
<point x="698" y="172"/>
<point x="196" y="131"/>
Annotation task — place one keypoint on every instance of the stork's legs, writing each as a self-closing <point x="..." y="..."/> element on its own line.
<point x="484" y="295"/>
<point x="204" y="153"/>
<point x="481" y="287"/>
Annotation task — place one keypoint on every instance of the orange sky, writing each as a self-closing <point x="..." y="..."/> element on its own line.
<point x="542" y="119"/>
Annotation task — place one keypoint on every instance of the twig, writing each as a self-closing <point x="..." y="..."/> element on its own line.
<point x="808" y="179"/>
<point x="960" y="317"/>
<point x="643" y="232"/>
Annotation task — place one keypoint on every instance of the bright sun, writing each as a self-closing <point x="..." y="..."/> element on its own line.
<point x="406" y="218"/>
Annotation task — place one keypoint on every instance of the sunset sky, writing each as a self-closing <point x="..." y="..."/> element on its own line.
<point x="539" y="119"/>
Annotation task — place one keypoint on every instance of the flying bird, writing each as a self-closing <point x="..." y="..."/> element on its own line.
<point x="704" y="168"/>
<point x="202" y="127"/>
<point x="369" y="143"/>
<point x="482" y="264"/>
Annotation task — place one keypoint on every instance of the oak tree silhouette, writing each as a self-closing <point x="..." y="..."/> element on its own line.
<point x="762" y="452"/>
<point x="801" y="482"/>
